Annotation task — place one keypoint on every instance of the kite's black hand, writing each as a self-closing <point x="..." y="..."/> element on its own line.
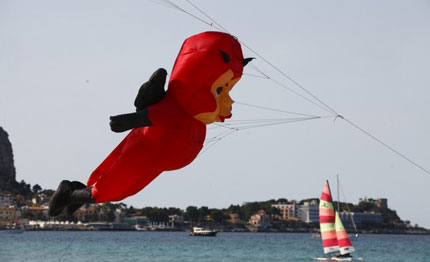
<point x="151" y="91"/>
<point x="121" y="123"/>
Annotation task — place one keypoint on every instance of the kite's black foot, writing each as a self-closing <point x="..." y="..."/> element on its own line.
<point x="69" y="195"/>
<point x="80" y="196"/>
<point x="72" y="208"/>
<point x="61" y="198"/>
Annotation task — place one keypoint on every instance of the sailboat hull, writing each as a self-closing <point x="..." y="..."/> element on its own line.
<point x="338" y="259"/>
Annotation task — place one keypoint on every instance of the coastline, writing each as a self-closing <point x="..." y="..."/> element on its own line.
<point x="113" y="227"/>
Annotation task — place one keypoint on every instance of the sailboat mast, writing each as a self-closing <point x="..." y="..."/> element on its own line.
<point x="338" y="197"/>
<point x="329" y="190"/>
<point x="347" y="207"/>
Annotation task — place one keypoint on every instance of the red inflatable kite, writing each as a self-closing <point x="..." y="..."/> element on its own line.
<point x="168" y="128"/>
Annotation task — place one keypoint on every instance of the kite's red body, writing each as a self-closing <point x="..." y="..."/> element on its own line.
<point x="179" y="120"/>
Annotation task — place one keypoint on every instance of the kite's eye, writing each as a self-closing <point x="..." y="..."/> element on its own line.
<point x="219" y="90"/>
<point x="225" y="56"/>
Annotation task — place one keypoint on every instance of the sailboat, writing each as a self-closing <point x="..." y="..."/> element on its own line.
<point x="333" y="234"/>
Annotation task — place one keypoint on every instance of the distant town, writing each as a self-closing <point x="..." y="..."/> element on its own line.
<point x="281" y="215"/>
<point x="25" y="207"/>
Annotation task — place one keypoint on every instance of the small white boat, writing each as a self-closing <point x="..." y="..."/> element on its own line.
<point x="199" y="231"/>
<point x="139" y="228"/>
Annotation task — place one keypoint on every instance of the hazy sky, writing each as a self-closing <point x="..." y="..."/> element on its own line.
<point x="65" y="67"/>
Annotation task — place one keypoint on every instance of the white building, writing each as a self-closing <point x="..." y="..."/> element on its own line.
<point x="309" y="212"/>
<point x="179" y="220"/>
<point x="261" y="219"/>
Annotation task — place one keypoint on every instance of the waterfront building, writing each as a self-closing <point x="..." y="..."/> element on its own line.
<point x="40" y="199"/>
<point x="7" y="215"/>
<point x="36" y="200"/>
<point x="54" y="225"/>
<point x="136" y="220"/>
<point x="261" y="219"/>
<point x="37" y="211"/>
<point x="309" y="212"/>
<point x="160" y="225"/>
<point x="5" y="199"/>
<point x="288" y="211"/>
<point x="119" y="216"/>
<point x="176" y="219"/>
<point x="87" y="213"/>
<point x="360" y="218"/>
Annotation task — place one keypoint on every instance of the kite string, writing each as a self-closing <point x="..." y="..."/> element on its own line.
<point x="302" y="96"/>
<point x="387" y="146"/>
<point x="248" y="74"/>
<point x="215" y="140"/>
<point x="210" y="142"/>
<point x="273" y="123"/>
<point x="207" y="16"/>
<point x="175" y="6"/>
<point x="67" y="248"/>
<point x="289" y="78"/>
<point x="265" y="76"/>
<point x="272" y="109"/>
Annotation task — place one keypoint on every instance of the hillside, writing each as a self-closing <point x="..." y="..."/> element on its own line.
<point x="8" y="181"/>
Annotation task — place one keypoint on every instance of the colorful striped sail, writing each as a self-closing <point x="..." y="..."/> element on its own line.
<point x="327" y="222"/>
<point x="345" y="246"/>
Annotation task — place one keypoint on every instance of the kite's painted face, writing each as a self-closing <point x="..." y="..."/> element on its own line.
<point x="220" y="89"/>
<point x="207" y="67"/>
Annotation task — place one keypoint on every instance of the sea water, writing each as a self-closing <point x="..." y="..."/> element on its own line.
<point x="75" y="246"/>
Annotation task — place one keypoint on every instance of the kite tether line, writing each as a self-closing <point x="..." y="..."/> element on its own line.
<point x="326" y="107"/>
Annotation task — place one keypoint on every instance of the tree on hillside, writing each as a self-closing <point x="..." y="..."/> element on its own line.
<point x="366" y="206"/>
<point x="274" y="212"/>
<point x="36" y="188"/>
<point x="282" y="200"/>
<point x="158" y="215"/>
<point x="130" y="211"/>
<point x="236" y="209"/>
<point x="249" y="209"/>
<point x="218" y="216"/>
<point x="48" y="192"/>
<point x="192" y="214"/>
<point x="203" y="213"/>
<point x="174" y="211"/>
